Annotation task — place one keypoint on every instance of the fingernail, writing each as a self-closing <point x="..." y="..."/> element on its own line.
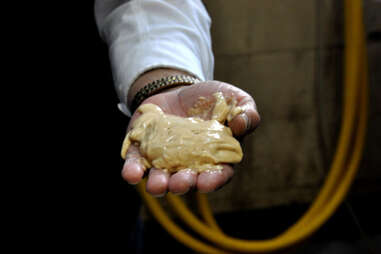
<point x="179" y="193"/>
<point x="134" y="183"/>
<point x="246" y="120"/>
<point x="159" y="195"/>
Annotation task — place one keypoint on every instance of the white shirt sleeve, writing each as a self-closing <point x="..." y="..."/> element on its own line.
<point x="147" y="34"/>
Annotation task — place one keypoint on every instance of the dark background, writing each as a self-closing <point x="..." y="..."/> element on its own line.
<point x="70" y="194"/>
<point x="104" y="207"/>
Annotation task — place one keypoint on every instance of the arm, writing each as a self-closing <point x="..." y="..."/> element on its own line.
<point x="153" y="39"/>
<point x="145" y="35"/>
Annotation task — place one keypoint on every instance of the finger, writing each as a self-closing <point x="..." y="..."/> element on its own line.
<point x="133" y="169"/>
<point x="157" y="183"/>
<point x="211" y="180"/>
<point x="182" y="181"/>
<point x="245" y="122"/>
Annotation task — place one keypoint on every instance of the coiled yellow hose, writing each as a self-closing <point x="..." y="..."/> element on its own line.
<point x="342" y="173"/>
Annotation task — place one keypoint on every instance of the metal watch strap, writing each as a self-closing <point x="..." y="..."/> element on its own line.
<point x="158" y="85"/>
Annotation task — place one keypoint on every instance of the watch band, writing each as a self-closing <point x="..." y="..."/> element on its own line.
<point x="158" y="85"/>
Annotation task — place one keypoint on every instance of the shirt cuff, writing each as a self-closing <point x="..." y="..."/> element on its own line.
<point x="147" y="56"/>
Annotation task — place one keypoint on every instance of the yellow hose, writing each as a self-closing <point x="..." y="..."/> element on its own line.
<point x="342" y="173"/>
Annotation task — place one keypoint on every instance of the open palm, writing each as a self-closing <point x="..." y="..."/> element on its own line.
<point x="178" y="102"/>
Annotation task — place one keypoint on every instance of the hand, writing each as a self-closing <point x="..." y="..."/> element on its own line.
<point x="177" y="102"/>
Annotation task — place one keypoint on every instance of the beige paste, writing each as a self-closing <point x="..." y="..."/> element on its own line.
<point x="173" y="143"/>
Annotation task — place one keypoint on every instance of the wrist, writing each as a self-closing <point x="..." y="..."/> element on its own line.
<point x="150" y="76"/>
